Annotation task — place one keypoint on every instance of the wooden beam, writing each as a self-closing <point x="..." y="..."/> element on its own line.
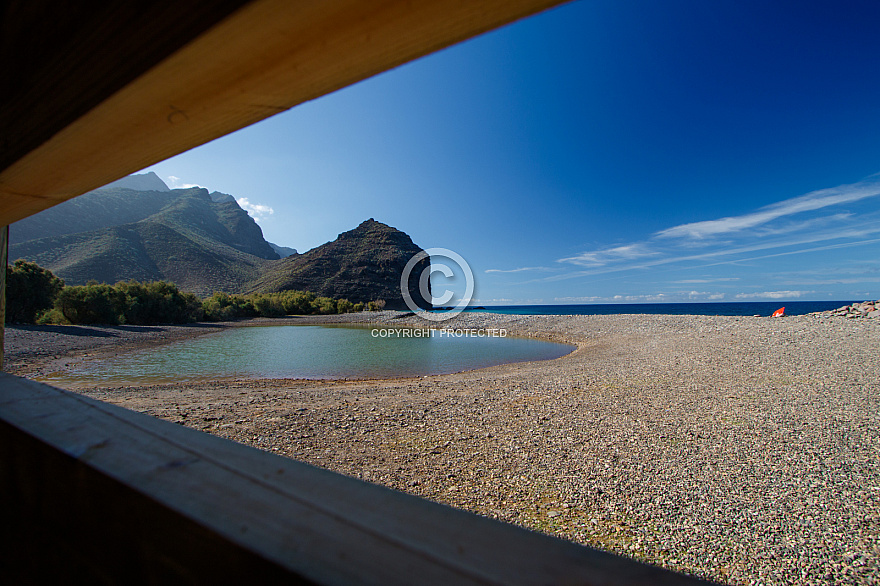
<point x="265" y="57"/>
<point x="4" y="261"/>
<point x="61" y="59"/>
<point x="124" y="497"/>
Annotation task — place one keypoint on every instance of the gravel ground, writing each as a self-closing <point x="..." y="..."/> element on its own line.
<point x="736" y="448"/>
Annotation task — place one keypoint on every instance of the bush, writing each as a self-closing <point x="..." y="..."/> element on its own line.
<point x="325" y="305"/>
<point x="92" y="303"/>
<point x="35" y="294"/>
<point x="223" y="307"/>
<point x="297" y="302"/>
<point x="30" y="291"/>
<point x="157" y="302"/>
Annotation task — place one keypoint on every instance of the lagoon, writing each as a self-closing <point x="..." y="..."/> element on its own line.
<point x="312" y="352"/>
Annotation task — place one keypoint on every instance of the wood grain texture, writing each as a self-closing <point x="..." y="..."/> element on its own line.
<point x="61" y="59"/>
<point x="160" y="493"/>
<point x="265" y="57"/>
<point x="4" y="262"/>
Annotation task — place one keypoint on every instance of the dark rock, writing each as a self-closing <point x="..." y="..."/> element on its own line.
<point x="361" y="265"/>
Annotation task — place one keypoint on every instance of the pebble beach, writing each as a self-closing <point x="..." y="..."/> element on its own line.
<point x="740" y="449"/>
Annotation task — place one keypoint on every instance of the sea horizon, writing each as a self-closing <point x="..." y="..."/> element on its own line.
<point x="726" y="308"/>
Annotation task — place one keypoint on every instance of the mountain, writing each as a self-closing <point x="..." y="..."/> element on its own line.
<point x="205" y="242"/>
<point x="361" y="265"/>
<point x="144" y="182"/>
<point x="94" y="210"/>
<point x="218" y="197"/>
<point x="283" y="251"/>
<point x="116" y="233"/>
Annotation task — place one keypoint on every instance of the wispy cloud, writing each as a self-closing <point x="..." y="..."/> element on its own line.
<point x="177" y="183"/>
<point x="256" y="211"/>
<point x="657" y="297"/>
<point x="840" y="281"/>
<point x="772" y="230"/>
<point x="703" y="281"/>
<point x="773" y="295"/>
<point x="814" y="200"/>
<point x="598" y="258"/>
<point x="520" y="270"/>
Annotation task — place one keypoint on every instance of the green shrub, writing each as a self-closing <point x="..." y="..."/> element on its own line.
<point x="35" y="294"/>
<point x="297" y="302"/>
<point x="92" y="303"/>
<point x="30" y="290"/>
<point x="325" y="305"/>
<point x="157" y="302"/>
<point x="223" y="306"/>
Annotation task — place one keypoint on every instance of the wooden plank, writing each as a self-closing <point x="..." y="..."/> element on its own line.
<point x="315" y="524"/>
<point x="4" y="261"/>
<point x="266" y="57"/>
<point x="61" y="59"/>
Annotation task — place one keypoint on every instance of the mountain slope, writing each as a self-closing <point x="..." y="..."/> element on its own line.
<point x="361" y="265"/>
<point x="143" y="182"/>
<point x="102" y="208"/>
<point x="118" y="234"/>
<point x="283" y="251"/>
<point x="205" y="242"/>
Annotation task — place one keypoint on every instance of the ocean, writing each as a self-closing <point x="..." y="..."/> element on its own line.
<point x="763" y="308"/>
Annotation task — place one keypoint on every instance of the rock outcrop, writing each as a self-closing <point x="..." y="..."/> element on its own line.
<point x="870" y="309"/>
<point x="361" y="265"/>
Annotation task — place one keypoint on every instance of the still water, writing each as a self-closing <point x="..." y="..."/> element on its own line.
<point x="326" y="352"/>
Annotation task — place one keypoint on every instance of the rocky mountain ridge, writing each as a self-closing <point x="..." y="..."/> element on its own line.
<point x="362" y="264"/>
<point x="204" y="242"/>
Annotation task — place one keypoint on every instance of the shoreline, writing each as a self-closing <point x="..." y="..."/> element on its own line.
<point x="30" y="354"/>
<point x="735" y="448"/>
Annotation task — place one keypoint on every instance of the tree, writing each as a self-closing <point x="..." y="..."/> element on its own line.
<point x="157" y="302"/>
<point x="92" y="303"/>
<point x="30" y="290"/>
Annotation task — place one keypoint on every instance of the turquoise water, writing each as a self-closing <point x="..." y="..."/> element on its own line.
<point x="323" y="352"/>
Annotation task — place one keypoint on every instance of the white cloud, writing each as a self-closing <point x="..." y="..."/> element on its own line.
<point x="598" y="258"/>
<point x="176" y="183"/>
<point x="703" y="281"/>
<point x="257" y="211"/>
<point x="661" y="249"/>
<point x="841" y="281"/>
<point x="588" y="299"/>
<point x="808" y="202"/>
<point x="658" y="297"/>
<point x="773" y="294"/>
<point x="519" y="270"/>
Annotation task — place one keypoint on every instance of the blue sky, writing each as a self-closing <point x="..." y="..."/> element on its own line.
<point x="603" y="151"/>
